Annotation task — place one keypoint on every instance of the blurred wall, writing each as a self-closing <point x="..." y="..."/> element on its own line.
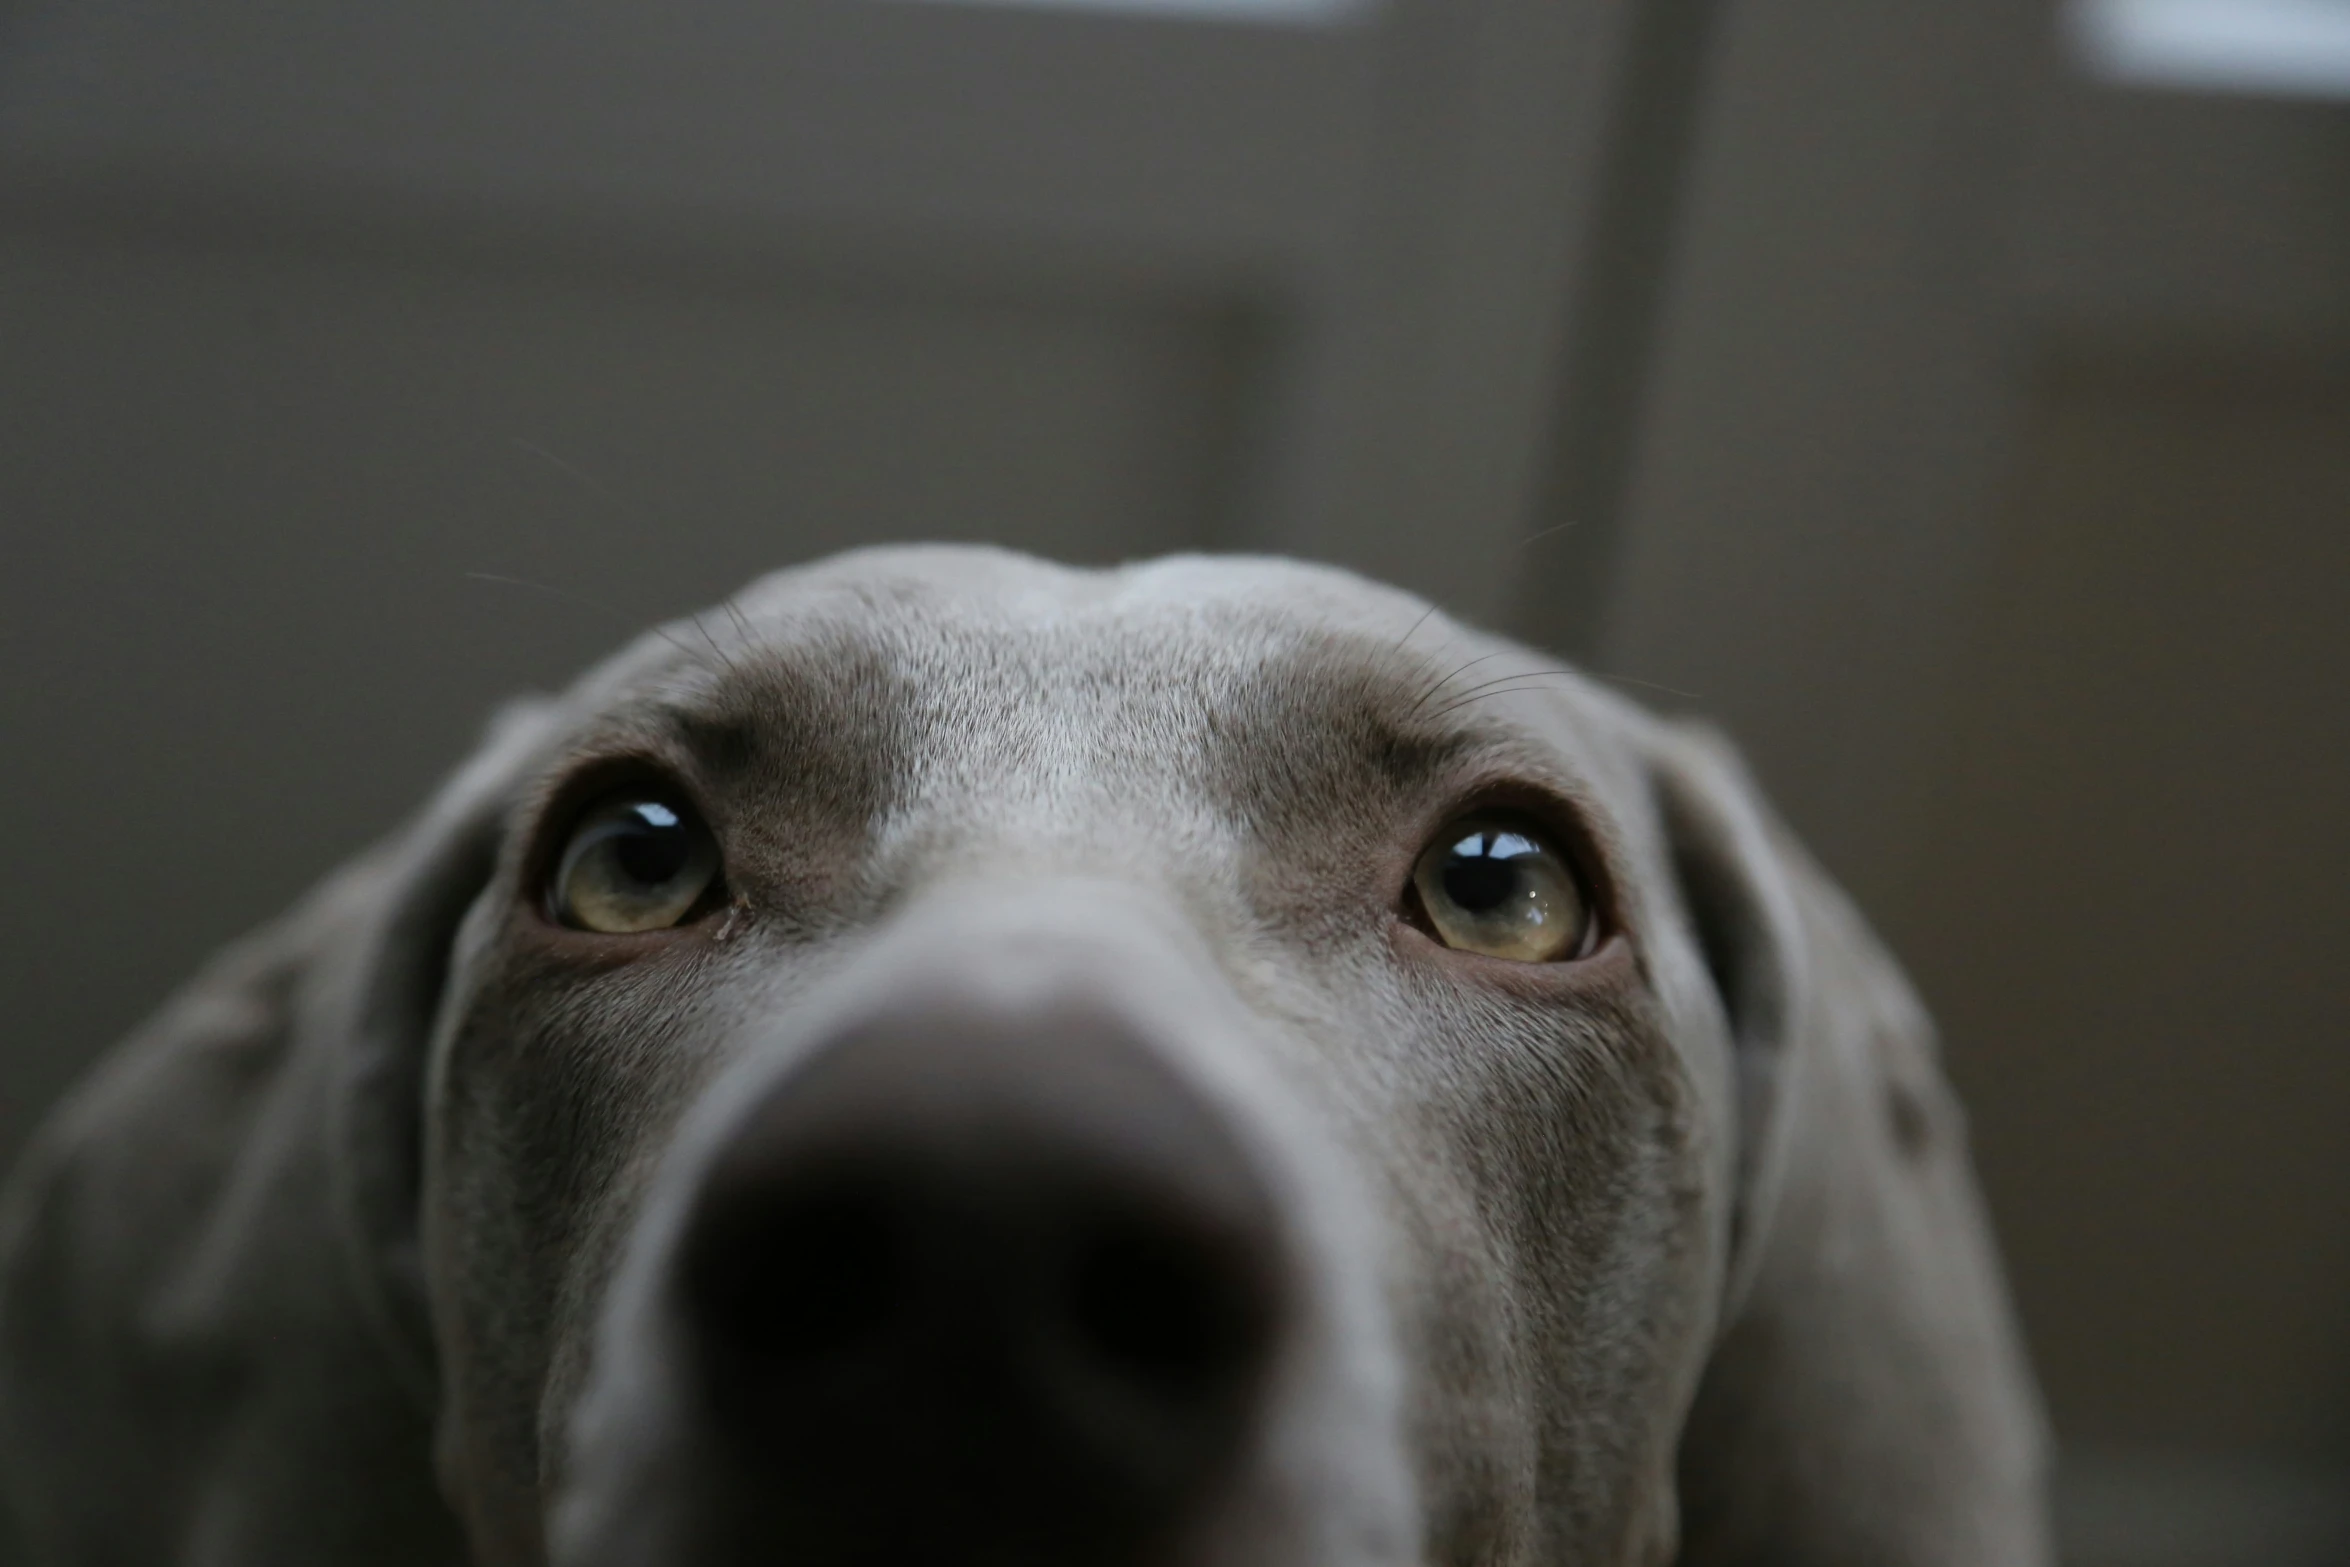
<point x="1993" y="486"/>
<point x="2127" y="896"/>
<point x="252" y="490"/>
<point x="2129" y="908"/>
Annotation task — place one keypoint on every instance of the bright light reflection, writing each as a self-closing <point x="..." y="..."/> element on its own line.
<point x="2293" y="48"/>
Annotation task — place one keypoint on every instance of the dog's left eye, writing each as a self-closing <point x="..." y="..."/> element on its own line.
<point x="637" y="861"/>
<point x="1497" y="886"/>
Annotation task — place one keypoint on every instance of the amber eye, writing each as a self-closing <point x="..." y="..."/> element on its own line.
<point x="637" y="861"/>
<point x="1497" y="886"/>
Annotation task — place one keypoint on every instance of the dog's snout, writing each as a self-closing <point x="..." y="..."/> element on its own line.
<point x="1006" y="1261"/>
<point x="846" y="1268"/>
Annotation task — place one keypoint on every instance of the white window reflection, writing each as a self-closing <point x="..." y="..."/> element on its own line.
<point x="2288" y="48"/>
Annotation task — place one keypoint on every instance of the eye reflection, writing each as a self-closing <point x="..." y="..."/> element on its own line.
<point x="1501" y="889"/>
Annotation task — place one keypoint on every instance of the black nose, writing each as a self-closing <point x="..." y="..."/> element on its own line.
<point x="978" y="1289"/>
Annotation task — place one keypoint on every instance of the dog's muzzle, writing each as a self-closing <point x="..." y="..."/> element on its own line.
<point x="978" y="1274"/>
<point x="981" y="1269"/>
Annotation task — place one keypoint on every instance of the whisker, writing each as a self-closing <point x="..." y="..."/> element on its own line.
<point x="584" y="602"/>
<point x="636" y="510"/>
<point x="1449" y="676"/>
<point x="1416" y="625"/>
<point x="1505" y="686"/>
<point x="1649" y="685"/>
<point x="1482" y="696"/>
<point x="579" y="474"/>
<point x="732" y="667"/>
<point x="1539" y="534"/>
<point x="1516" y="674"/>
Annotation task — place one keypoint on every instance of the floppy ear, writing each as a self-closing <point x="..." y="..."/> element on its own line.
<point x="1867" y="1401"/>
<point x="213" y="1339"/>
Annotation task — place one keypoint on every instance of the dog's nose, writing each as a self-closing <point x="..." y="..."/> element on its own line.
<point x="985" y="1283"/>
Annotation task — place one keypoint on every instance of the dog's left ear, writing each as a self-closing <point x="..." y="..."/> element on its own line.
<point x="1867" y="1403"/>
<point x="213" y="1337"/>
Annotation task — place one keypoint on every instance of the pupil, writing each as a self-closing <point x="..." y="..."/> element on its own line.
<point x="1479" y="884"/>
<point x="651" y="854"/>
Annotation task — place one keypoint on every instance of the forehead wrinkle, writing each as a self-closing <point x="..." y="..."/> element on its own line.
<point x="1372" y="698"/>
<point x="1080" y="683"/>
<point x="1095" y="718"/>
<point x="798" y="715"/>
<point x="1236" y="700"/>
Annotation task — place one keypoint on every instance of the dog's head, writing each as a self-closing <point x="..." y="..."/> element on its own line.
<point x="957" y="1060"/>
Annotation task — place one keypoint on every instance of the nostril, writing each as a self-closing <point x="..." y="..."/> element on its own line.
<point x="1166" y="1306"/>
<point x="815" y="1275"/>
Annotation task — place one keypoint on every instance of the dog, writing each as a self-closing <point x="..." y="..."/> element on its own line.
<point x="962" y="1060"/>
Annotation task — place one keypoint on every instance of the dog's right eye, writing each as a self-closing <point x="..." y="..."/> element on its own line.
<point x="637" y="861"/>
<point x="1497" y="886"/>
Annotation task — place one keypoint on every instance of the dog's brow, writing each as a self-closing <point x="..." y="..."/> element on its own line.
<point x="725" y="743"/>
<point x="1412" y="707"/>
<point x="1408" y="759"/>
<point x="1323" y="721"/>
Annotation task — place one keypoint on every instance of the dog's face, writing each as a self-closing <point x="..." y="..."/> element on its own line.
<point x="984" y="1062"/>
<point x="961" y="1061"/>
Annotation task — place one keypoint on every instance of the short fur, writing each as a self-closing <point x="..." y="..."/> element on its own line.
<point x="1672" y="1254"/>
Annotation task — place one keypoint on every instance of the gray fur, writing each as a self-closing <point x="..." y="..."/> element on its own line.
<point x="1668" y="1255"/>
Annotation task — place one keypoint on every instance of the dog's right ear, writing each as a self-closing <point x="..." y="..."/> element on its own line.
<point x="1866" y="1403"/>
<point x="213" y="1339"/>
